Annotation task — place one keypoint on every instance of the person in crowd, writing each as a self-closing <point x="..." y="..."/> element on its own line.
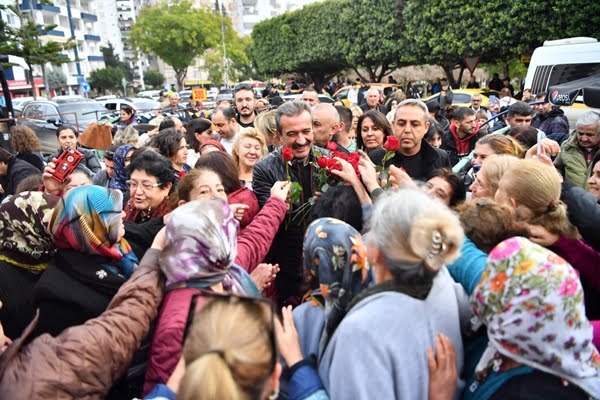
<point x="33" y="183"/>
<point x="507" y="85"/>
<point x="127" y="135"/>
<point x="265" y="124"/>
<point x="462" y="134"/>
<point x="176" y="109"/>
<point x="485" y="184"/>
<point x="150" y="182"/>
<point x="67" y="138"/>
<point x="550" y="119"/>
<point x="200" y="254"/>
<point x="92" y="262"/>
<point x="198" y="131"/>
<point x="372" y="129"/>
<point x="326" y="124"/>
<point x="356" y="113"/>
<point x="578" y="151"/>
<point x="26" y="145"/>
<point x="25" y="250"/>
<point x="552" y="356"/>
<point x="446" y="186"/>
<point x="295" y="129"/>
<point x="127" y="117"/>
<point x="525" y="135"/>
<point x="472" y="84"/>
<point x="446" y="95"/>
<point x="79" y="177"/>
<point x="482" y="119"/>
<point x="249" y="148"/>
<point x="495" y="83"/>
<point x="225" y="120"/>
<point x="96" y="353"/>
<point x="274" y="98"/>
<point x="171" y="144"/>
<point x="122" y="159"/>
<point x="476" y="101"/>
<point x="407" y="257"/>
<point x="310" y="96"/>
<point x="244" y="101"/>
<point x="372" y="103"/>
<point x="415" y="155"/>
<point x="342" y="136"/>
<point x="225" y="333"/>
<point x="353" y="94"/>
<point x="340" y="202"/>
<point x="12" y="172"/>
<point x="435" y="113"/>
<point x="519" y="113"/>
<point x="210" y="146"/>
<point x="594" y="180"/>
<point x="103" y="177"/>
<point x="495" y="144"/>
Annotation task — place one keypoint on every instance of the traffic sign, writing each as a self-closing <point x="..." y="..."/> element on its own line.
<point x="85" y="87"/>
<point x="471" y="63"/>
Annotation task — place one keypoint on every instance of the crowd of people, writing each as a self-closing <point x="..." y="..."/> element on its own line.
<point x="392" y="249"/>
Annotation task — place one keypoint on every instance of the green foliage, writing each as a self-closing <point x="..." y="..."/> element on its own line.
<point x="177" y="33"/>
<point x="236" y="48"/>
<point x="108" y="78"/>
<point x="154" y="79"/>
<point x="56" y="79"/>
<point x="112" y="60"/>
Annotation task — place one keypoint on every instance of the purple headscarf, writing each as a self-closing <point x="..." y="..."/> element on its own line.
<point x="202" y="246"/>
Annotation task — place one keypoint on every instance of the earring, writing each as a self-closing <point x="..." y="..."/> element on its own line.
<point x="275" y="394"/>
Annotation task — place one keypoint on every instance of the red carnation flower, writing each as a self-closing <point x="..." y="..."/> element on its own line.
<point x="287" y="154"/>
<point x="322" y="162"/>
<point x="333" y="164"/>
<point x="391" y="143"/>
<point x="332" y="146"/>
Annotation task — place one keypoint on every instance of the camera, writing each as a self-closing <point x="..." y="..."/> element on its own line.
<point x="66" y="163"/>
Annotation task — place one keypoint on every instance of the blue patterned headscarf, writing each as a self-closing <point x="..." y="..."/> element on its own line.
<point x="201" y="248"/>
<point x="334" y="251"/>
<point x="120" y="177"/>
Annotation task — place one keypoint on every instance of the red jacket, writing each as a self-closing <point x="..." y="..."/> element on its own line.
<point x="253" y="245"/>
<point x="245" y="196"/>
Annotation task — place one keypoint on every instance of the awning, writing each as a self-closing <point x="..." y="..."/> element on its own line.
<point x="566" y="93"/>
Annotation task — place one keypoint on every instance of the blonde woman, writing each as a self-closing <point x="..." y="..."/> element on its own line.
<point x="249" y="147"/>
<point x="265" y="124"/>
<point x="487" y="179"/>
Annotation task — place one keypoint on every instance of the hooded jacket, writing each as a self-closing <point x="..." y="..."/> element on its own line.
<point x="457" y="147"/>
<point x="554" y="124"/>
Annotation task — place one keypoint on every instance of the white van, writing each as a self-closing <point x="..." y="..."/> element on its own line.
<point x="561" y="61"/>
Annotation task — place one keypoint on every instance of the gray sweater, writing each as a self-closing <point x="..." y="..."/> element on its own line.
<point x="379" y="350"/>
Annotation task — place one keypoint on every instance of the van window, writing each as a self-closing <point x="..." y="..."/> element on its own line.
<point x="549" y="75"/>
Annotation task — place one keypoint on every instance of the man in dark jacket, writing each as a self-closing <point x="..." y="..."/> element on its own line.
<point x="551" y="120"/>
<point x="12" y="172"/>
<point x="462" y="134"/>
<point x="294" y="125"/>
<point x="373" y="102"/>
<point x="415" y="155"/>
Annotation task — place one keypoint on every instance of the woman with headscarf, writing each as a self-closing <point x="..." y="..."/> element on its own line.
<point x="25" y="250"/>
<point x="92" y="262"/>
<point x="201" y="249"/>
<point x="122" y="158"/>
<point x="540" y="342"/>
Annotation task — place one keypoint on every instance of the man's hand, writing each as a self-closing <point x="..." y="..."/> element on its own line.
<point x="281" y="189"/>
<point x="264" y="275"/>
<point x="51" y="185"/>
<point x="287" y="338"/>
<point x="442" y="369"/>
<point x="400" y="179"/>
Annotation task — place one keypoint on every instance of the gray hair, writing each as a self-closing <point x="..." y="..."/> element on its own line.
<point x="126" y="135"/>
<point x="589" y="118"/>
<point x="291" y="109"/>
<point x="403" y="226"/>
<point x="413" y="103"/>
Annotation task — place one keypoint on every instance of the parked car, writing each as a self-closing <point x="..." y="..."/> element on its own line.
<point x="462" y="97"/>
<point x="44" y="117"/>
<point x="150" y="94"/>
<point x="18" y="103"/>
<point x="323" y="98"/>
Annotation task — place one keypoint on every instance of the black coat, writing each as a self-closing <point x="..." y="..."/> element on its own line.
<point x="431" y="159"/>
<point x="17" y="171"/>
<point x="33" y="159"/>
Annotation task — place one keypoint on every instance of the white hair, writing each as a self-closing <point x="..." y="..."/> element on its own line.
<point x="589" y="118"/>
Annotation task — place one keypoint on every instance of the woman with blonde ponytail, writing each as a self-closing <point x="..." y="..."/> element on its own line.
<point x="377" y="350"/>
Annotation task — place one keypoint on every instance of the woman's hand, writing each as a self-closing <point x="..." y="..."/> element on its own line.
<point x="347" y="172"/>
<point x="281" y="189"/>
<point x="287" y="338"/>
<point x="442" y="369"/>
<point x="368" y="173"/>
<point x="264" y="275"/>
<point x="51" y="185"/>
<point x="549" y="146"/>
<point x="238" y="210"/>
<point x="540" y="235"/>
<point x="400" y="179"/>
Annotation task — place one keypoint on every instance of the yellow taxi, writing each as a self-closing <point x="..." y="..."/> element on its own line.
<point x="462" y="97"/>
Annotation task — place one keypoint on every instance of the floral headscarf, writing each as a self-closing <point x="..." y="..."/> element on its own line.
<point x="120" y="177"/>
<point x="25" y="241"/>
<point x="531" y="301"/>
<point x="88" y="219"/>
<point x="201" y="249"/>
<point x="334" y="251"/>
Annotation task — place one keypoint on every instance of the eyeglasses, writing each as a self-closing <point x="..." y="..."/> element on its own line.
<point x="229" y="298"/>
<point x="147" y="186"/>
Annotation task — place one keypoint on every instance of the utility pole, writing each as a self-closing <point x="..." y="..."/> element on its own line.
<point x="225" y="63"/>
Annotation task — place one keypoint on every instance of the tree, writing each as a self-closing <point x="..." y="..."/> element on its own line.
<point x="107" y="78"/>
<point x="237" y="57"/>
<point x="177" y="33"/>
<point x="112" y="60"/>
<point x="154" y="79"/>
<point x="24" y="41"/>
<point x="56" y="79"/>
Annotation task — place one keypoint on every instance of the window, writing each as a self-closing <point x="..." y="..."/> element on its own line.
<point x="32" y="110"/>
<point x="549" y="75"/>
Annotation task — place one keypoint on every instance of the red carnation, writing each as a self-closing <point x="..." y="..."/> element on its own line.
<point x="322" y="162"/>
<point x="391" y="143"/>
<point x="333" y="164"/>
<point x="182" y="174"/>
<point x="331" y="146"/>
<point x="287" y="154"/>
<point x="354" y="157"/>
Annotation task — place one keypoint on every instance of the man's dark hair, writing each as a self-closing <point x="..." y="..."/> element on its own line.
<point x="242" y="86"/>
<point x="166" y="123"/>
<point x="463" y="112"/>
<point x="223" y="165"/>
<point x="345" y="117"/>
<point x="434" y="127"/>
<point x="340" y="202"/>
<point x="291" y="109"/>
<point x="520" y="108"/>
<point x="167" y="142"/>
<point x="524" y="134"/>
<point x="153" y="164"/>
<point x="228" y="112"/>
<point x="5" y="156"/>
<point x="64" y="128"/>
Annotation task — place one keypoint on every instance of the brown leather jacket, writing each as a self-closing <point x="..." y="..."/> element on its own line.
<point x="84" y="361"/>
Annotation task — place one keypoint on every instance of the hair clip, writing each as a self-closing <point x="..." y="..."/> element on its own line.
<point x="437" y="245"/>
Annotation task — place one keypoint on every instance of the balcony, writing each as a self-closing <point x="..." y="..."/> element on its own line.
<point x="52" y="32"/>
<point x="92" y="38"/>
<point x="96" y="58"/>
<point x="89" y="17"/>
